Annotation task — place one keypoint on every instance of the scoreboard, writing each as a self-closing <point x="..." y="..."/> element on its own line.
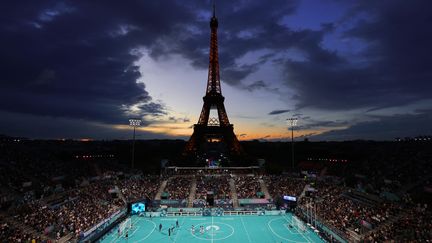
<point x="138" y="207"/>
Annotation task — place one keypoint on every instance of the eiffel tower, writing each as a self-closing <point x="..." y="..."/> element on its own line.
<point x="213" y="134"/>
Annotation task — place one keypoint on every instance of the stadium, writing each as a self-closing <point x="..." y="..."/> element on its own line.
<point x="80" y="192"/>
<point x="320" y="99"/>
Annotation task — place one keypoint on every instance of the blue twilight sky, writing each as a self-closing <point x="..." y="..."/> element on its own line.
<point x="345" y="69"/>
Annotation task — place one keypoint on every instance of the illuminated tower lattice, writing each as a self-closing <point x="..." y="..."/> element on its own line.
<point x="213" y="130"/>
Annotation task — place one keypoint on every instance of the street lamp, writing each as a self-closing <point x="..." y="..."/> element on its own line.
<point x="292" y="122"/>
<point x="134" y="123"/>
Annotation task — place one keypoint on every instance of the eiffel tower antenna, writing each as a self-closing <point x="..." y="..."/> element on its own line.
<point x="210" y="131"/>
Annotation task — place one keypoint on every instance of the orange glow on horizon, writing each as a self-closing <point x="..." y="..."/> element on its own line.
<point x="280" y="134"/>
<point x="244" y="133"/>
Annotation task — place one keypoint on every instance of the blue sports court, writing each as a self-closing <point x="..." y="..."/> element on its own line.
<point x="251" y="229"/>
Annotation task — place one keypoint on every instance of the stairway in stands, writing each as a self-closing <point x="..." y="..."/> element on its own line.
<point x="161" y="190"/>
<point x="120" y="194"/>
<point x="192" y="192"/>
<point x="303" y="193"/>
<point x="264" y="189"/>
<point x="354" y="237"/>
<point x="233" y="193"/>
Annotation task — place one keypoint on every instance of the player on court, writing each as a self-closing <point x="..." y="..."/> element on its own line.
<point x="193" y="229"/>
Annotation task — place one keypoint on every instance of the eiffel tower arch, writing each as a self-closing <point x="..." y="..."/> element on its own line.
<point x="213" y="134"/>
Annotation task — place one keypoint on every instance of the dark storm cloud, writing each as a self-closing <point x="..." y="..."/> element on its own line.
<point x="307" y="135"/>
<point x="243" y="27"/>
<point x="310" y="124"/>
<point x="277" y="112"/>
<point x="256" y="85"/>
<point x="55" y="128"/>
<point x="388" y="127"/>
<point x="177" y="119"/>
<point x="152" y="108"/>
<point x="76" y="59"/>
<point x="235" y="74"/>
<point x="395" y="68"/>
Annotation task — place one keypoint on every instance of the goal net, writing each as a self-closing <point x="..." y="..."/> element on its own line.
<point x="125" y="225"/>
<point x="298" y="224"/>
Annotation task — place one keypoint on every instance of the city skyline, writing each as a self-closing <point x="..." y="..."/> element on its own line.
<point x="346" y="69"/>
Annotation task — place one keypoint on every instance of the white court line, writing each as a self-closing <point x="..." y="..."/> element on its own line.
<point x="178" y="231"/>
<point x="247" y="233"/>
<point x="290" y="230"/>
<point x="117" y="237"/>
<point x="151" y="232"/>
<point x="170" y="219"/>
<point x="135" y="226"/>
<point x="133" y="232"/>
<point x="305" y="234"/>
<point x="226" y="219"/>
<point x="198" y="219"/>
<point x="217" y="239"/>
<point x="296" y="232"/>
<point x="307" y="240"/>
<point x="212" y="231"/>
<point x="271" y="229"/>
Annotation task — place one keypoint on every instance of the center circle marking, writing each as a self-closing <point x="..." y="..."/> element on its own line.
<point x="215" y="227"/>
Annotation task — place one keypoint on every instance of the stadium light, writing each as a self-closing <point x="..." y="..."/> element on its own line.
<point x="292" y="122"/>
<point x="134" y="123"/>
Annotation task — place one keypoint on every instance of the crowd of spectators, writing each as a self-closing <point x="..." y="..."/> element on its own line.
<point x="80" y="209"/>
<point x="347" y="214"/>
<point x="389" y="168"/>
<point x="414" y="225"/>
<point x="281" y="185"/>
<point x="35" y="171"/>
<point x="392" y="172"/>
<point x="143" y="187"/>
<point x="219" y="185"/>
<point x="247" y="186"/>
<point x="178" y="187"/>
<point x="53" y="200"/>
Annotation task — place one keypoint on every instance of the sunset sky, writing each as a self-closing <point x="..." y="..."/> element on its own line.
<point x="346" y="69"/>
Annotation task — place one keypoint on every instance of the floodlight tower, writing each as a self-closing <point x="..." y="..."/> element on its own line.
<point x="292" y="122"/>
<point x="134" y="123"/>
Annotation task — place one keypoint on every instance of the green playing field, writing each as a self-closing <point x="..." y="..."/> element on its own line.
<point x="257" y="229"/>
